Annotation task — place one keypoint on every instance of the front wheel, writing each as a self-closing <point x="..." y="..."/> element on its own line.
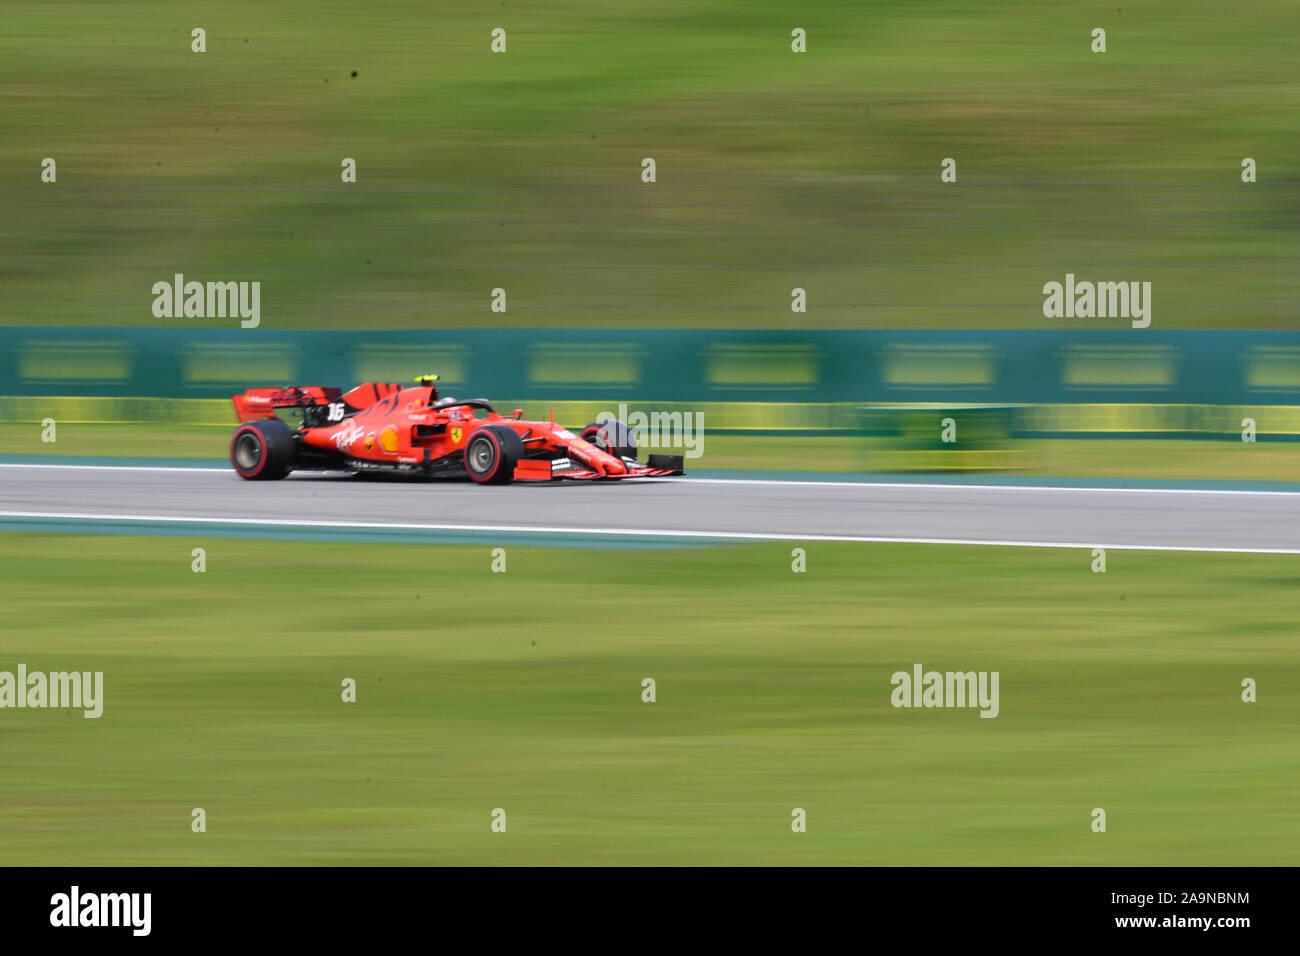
<point x="611" y="435"/>
<point x="263" y="450"/>
<point x="492" y="453"/>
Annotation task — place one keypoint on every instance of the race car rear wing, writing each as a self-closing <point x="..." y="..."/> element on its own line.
<point x="262" y="402"/>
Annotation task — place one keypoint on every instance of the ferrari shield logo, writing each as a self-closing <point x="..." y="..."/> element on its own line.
<point x="455" y="436"/>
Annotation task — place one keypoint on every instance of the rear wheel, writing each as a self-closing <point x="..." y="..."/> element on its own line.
<point x="492" y="453"/>
<point x="263" y="450"/>
<point x="611" y="435"/>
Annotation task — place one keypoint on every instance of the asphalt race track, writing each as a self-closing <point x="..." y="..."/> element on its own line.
<point x="663" y="509"/>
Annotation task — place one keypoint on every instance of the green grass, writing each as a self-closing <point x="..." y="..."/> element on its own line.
<point x="522" y="691"/>
<point x="1222" y="459"/>
<point x="775" y="170"/>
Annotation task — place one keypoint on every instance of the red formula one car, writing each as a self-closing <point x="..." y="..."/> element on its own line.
<point x="387" y="428"/>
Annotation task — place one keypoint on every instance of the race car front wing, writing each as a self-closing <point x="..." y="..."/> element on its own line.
<point x="566" y="469"/>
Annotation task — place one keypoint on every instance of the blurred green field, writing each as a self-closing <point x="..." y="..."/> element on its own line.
<point x="775" y="170"/>
<point x="1220" y="459"/>
<point x="522" y="691"/>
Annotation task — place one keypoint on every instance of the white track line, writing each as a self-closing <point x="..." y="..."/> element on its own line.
<point x="777" y="481"/>
<point x="940" y="485"/>
<point x="629" y="532"/>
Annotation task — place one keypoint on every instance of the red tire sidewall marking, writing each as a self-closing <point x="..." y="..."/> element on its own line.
<point x="496" y="464"/>
<point x="261" y="441"/>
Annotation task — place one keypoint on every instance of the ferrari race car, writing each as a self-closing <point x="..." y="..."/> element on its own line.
<point x="386" y="428"/>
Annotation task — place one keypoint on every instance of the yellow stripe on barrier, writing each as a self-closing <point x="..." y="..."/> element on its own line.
<point x="1089" y="419"/>
<point x="91" y="410"/>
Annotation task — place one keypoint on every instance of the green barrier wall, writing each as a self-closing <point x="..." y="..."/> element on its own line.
<point x="1176" y="382"/>
<point x="1042" y="367"/>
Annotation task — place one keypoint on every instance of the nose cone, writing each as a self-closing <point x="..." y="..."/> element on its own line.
<point x="595" y="458"/>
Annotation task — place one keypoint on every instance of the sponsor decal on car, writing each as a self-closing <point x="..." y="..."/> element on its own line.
<point x="361" y="464"/>
<point x="455" y="435"/>
<point x="347" y="434"/>
<point x="585" y="452"/>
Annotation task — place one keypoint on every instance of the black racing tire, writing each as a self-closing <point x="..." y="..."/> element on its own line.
<point x="263" y="450"/>
<point x="492" y="453"/>
<point x="611" y="435"/>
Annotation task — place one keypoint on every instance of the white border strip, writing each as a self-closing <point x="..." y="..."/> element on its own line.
<point x="628" y="532"/>
<point x="172" y="469"/>
<point x="768" y="481"/>
<point x="968" y="487"/>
